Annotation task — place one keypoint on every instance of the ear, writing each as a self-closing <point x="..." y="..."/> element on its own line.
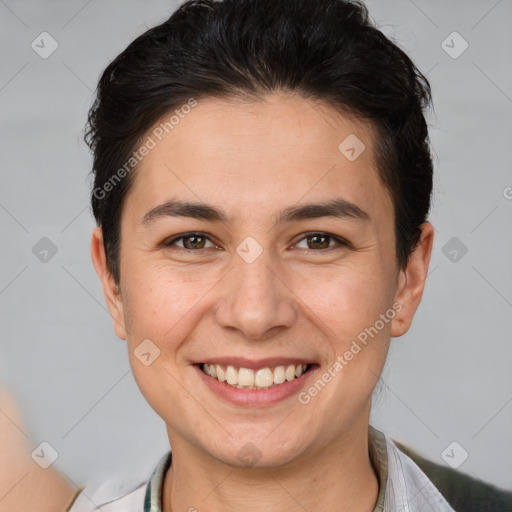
<point x="411" y="282"/>
<point x="110" y="289"/>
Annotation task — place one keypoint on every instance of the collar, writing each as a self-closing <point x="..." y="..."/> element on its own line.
<point x="155" y="488"/>
<point x="379" y="459"/>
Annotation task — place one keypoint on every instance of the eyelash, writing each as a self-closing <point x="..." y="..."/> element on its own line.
<point x="340" y="241"/>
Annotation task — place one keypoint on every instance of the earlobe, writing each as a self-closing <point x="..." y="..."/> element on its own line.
<point x="110" y="290"/>
<point x="411" y="282"/>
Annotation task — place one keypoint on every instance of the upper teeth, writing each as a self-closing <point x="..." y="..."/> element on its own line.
<point x="252" y="379"/>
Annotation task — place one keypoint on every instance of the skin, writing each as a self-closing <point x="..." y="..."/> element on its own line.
<point x="301" y="297"/>
<point x="24" y="485"/>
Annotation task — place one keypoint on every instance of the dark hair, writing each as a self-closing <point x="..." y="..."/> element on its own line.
<point x="321" y="49"/>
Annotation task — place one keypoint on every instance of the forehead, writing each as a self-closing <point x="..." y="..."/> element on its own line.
<point x="280" y="149"/>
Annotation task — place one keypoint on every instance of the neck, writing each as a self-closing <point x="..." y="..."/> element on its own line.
<point x="339" y="477"/>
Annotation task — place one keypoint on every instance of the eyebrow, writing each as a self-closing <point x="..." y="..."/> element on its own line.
<point x="338" y="208"/>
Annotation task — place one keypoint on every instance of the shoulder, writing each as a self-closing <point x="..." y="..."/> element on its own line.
<point x="407" y="487"/>
<point x="126" y="493"/>
<point x="461" y="491"/>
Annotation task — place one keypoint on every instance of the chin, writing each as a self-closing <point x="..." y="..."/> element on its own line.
<point x="254" y="451"/>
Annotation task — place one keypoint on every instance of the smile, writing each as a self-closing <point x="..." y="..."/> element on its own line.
<point x="247" y="378"/>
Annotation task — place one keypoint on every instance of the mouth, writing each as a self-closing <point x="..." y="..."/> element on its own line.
<point x="264" y="378"/>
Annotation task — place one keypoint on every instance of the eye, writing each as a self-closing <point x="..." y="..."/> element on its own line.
<point x="318" y="241"/>
<point x="321" y="241"/>
<point x="191" y="241"/>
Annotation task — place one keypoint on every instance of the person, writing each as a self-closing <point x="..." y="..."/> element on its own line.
<point x="262" y="184"/>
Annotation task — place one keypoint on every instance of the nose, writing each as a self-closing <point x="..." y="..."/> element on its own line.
<point x="255" y="299"/>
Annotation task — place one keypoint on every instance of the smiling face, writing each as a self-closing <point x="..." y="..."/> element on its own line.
<point x="249" y="240"/>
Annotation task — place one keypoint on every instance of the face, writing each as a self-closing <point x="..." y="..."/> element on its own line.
<point x="286" y="263"/>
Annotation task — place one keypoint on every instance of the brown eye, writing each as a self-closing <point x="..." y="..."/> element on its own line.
<point x="194" y="242"/>
<point x="191" y="241"/>
<point x="318" y="241"/>
<point x="321" y="241"/>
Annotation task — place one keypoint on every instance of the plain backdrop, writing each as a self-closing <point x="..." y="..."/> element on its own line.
<point x="447" y="380"/>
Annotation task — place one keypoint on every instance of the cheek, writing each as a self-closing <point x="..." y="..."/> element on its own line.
<point x="160" y="304"/>
<point x="347" y="300"/>
<point x="159" y="308"/>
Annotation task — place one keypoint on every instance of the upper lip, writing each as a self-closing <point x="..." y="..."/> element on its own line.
<point x="255" y="364"/>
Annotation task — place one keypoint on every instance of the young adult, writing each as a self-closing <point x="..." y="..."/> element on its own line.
<point x="262" y="186"/>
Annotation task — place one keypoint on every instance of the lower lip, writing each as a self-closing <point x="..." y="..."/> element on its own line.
<point x="256" y="397"/>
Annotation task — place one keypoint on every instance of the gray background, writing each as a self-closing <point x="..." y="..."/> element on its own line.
<point x="448" y="379"/>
